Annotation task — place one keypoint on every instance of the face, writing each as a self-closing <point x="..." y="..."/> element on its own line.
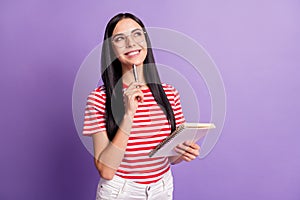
<point x="129" y="43"/>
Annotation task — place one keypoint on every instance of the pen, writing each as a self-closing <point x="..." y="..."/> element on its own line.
<point x="135" y="73"/>
<point x="135" y="78"/>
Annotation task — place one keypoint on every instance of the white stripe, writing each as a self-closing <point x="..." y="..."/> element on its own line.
<point x="159" y="136"/>
<point x="93" y="132"/>
<point x="152" y="123"/>
<point x="92" y="126"/>
<point x="143" y="162"/>
<point x="86" y="122"/>
<point x="91" y="115"/>
<point x="139" y="146"/>
<point x="145" y="112"/>
<point x="144" y="173"/>
<point x="152" y="115"/>
<point x="155" y="129"/>
<point x="96" y="104"/>
<point x="143" y="168"/>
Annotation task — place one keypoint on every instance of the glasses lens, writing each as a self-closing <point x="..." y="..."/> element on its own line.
<point x="138" y="36"/>
<point x="120" y="40"/>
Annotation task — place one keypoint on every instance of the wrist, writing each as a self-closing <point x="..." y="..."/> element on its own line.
<point x="128" y="117"/>
<point x="175" y="159"/>
<point x="126" y="124"/>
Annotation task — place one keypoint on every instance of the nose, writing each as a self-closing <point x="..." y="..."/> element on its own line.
<point x="129" y="41"/>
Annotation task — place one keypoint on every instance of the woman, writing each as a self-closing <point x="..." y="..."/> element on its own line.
<point x="128" y="118"/>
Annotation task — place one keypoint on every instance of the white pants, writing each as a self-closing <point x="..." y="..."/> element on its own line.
<point x="119" y="188"/>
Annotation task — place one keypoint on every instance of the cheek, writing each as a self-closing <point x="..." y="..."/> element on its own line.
<point x="144" y="45"/>
<point x="117" y="52"/>
<point x="145" y="53"/>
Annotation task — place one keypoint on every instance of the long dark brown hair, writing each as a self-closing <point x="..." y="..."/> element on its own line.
<point x="111" y="69"/>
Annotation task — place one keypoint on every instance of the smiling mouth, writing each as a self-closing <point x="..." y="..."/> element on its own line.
<point x="132" y="53"/>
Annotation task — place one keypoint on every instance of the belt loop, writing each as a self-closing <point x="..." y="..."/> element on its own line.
<point x="125" y="183"/>
<point x="163" y="182"/>
<point x="121" y="190"/>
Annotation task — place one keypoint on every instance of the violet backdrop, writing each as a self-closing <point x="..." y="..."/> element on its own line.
<point x="255" y="45"/>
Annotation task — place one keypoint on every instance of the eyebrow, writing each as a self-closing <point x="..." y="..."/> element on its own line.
<point x="124" y="33"/>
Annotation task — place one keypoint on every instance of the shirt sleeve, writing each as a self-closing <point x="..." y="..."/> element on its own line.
<point x="94" y="115"/>
<point x="178" y="114"/>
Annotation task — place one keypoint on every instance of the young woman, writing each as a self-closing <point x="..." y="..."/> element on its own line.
<point x="128" y="118"/>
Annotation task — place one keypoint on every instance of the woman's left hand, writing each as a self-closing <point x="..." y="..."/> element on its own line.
<point x="188" y="151"/>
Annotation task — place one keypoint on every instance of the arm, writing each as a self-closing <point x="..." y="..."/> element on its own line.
<point x="109" y="155"/>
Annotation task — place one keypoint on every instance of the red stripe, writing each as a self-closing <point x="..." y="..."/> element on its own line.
<point x="151" y="107"/>
<point x="152" y="120"/>
<point x="140" y="160"/>
<point x="148" y="115"/>
<point x="93" y="129"/>
<point x="143" y="165"/>
<point x="152" y="130"/>
<point x="94" y="114"/>
<point x="91" y="124"/>
<point x="89" y="109"/>
<point x="102" y="96"/>
<point x="94" y="118"/>
<point x="144" y="171"/>
<point x="148" y="137"/>
<point x="146" y="142"/>
<point x="136" y="155"/>
<point x="140" y="148"/>
<point x="94" y="99"/>
<point x="146" y="177"/>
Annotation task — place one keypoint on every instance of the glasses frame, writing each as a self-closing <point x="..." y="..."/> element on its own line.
<point x="126" y="37"/>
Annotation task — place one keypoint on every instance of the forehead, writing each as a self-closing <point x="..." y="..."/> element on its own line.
<point x="126" y="25"/>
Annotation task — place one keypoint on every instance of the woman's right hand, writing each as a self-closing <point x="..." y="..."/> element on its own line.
<point x="132" y="96"/>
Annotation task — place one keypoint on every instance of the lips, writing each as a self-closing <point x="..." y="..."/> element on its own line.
<point x="132" y="53"/>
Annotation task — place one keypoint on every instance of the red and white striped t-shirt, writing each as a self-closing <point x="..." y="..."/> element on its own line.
<point x="150" y="127"/>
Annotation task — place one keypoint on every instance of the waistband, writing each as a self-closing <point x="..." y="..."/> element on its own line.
<point x="122" y="182"/>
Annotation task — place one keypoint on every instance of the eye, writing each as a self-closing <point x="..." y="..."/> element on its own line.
<point x="137" y="33"/>
<point x="119" y="38"/>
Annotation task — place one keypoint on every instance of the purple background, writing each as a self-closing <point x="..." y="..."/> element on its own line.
<point x="254" y="43"/>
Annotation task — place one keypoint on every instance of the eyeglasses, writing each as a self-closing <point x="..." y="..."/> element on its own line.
<point x="137" y="35"/>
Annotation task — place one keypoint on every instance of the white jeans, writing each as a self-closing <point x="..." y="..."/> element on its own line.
<point x="120" y="188"/>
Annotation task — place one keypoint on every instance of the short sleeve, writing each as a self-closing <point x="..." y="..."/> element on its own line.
<point x="174" y="99"/>
<point x="179" y="117"/>
<point x="94" y="115"/>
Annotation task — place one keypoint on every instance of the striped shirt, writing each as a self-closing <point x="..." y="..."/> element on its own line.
<point x="150" y="126"/>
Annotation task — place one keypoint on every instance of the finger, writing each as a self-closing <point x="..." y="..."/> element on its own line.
<point x="191" y="154"/>
<point x="132" y="92"/>
<point x="180" y="151"/>
<point x="188" y="143"/>
<point x="185" y="155"/>
<point x="133" y="85"/>
<point x="137" y="95"/>
<point x="192" y="145"/>
<point x="183" y="149"/>
<point x="188" y="158"/>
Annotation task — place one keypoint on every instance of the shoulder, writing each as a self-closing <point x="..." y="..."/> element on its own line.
<point x="97" y="95"/>
<point x="169" y="89"/>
